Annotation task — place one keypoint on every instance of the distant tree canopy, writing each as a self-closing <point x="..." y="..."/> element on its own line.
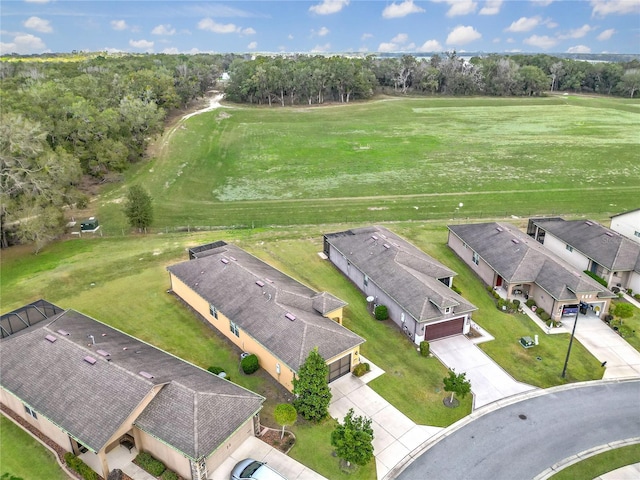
<point x="301" y="79"/>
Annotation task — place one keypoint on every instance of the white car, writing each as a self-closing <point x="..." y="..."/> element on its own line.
<point x="255" y="470"/>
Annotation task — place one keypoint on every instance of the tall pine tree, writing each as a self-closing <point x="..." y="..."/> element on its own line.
<point x="138" y="208"/>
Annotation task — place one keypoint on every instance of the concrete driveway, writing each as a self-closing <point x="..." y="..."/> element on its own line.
<point x="489" y="382"/>
<point x="255" y="448"/>
<point x="623" y="361"/>
<point x="395" y="435"/>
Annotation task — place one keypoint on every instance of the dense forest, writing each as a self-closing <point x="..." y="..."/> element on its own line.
<point x="72" y="120"/>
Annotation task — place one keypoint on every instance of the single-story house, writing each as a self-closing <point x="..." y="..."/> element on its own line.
<point x="265" y="312"/>
<point x="506" y="258"/>
<point x="627" y="224"/>
<point x="415" y="288"/>
<point x="91" y="388"/>
<point x="589" y="246"/>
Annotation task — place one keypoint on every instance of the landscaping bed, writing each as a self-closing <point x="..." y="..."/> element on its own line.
<point x="271" y="436"/>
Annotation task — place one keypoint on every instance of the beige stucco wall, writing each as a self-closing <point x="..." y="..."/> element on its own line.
<point x="268" y="361"/>
<point x="47" y="427"/>
<point x="173" y="459"/>
<point x="223" y="452"/>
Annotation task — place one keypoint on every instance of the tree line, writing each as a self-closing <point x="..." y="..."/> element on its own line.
<point x="302" y="79"/>
<point x="69" y="119"/>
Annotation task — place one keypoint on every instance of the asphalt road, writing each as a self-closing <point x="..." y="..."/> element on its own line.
<point x="521" y="440"/>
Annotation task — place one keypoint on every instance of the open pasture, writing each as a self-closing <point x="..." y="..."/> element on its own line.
<point x="395" y="159"/>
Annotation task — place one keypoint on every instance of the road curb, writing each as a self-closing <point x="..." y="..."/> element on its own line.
<point x="406" y="461"/>
<point x="567" y="462"/>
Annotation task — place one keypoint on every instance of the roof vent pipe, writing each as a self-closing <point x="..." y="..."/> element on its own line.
<point x="93" y="340"/>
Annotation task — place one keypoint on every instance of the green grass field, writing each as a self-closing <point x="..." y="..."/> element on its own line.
<point x="393" y="160"/>
<point x="600" y="464"/>
<point x="318" y="170"/>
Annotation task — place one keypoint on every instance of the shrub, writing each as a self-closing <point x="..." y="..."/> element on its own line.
<point x="424" y="348"/>
<point x="502" y="304"/>
<point x="250" y="364"/>
<point x="169" y="475"/>
<point x="76" y="464"/>
<point x="381" y="312"/>
<point x="361" y="369"/>
<point x="637" y="296"/>
<point x="148" y="463"/>
<point x="516" y="303"/>
<point x="629" y="291"/>
<point x="456" y="289"/>
<point x="530" y="302"/>
<point x="597" y="278"/>
<point x="215" y="370"/>
<point x="544" y="316"/>
<point x="495" y="294"/>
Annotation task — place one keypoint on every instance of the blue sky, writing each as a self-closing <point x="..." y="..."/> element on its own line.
<point x="321" y="26"/>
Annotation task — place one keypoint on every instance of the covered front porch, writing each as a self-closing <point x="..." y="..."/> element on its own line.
<point x="117" y="458"/>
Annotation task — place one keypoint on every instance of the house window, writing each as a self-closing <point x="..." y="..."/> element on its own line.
<point x="30" y="412"/>
<point x="636" y="233"/>
<point x="366" y="281"/>
<point x="476" y="258"/>
<point x="447" y="310"/>
<point x="213" y="311"/>
<point x="234" y="328"/>
<point x="569" y="248"/>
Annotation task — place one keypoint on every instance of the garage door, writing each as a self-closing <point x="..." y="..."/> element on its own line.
<point x="444" y="329"/>
<point x="339" y="368"/>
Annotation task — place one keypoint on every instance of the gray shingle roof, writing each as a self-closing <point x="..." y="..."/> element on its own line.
<point x="518" y="258"/>
<point x="403" y="271"/>
<point x="603" y="245"/>
<point x="259" y="310"/>
<point x="194" y="412"/>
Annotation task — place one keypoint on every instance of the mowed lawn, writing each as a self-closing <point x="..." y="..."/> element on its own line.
<point x="393" y="159"/>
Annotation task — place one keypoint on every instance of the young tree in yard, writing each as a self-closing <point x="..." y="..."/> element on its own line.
<point x="311" y="388"/>
<point x="623" y="310"/>
<point x="353" y="439"/>
<point x="456" y="383"/>
<point x="285" y="415"/>
<point x="138" y="208"/>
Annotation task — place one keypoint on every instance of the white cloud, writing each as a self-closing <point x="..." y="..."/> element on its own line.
<point x="252" y="45"/>
<point x="212" y="26"/>
<point x="461" y="7"/>
<point x="550" y="23"/>
<point x="38" y="24"/>
<point x="163" y="30"/>
<point x="322" y="48"/>
<point x="576" y="32"/>
<point x="365" y="36"/>
<point x="144" y="44"/>
<point x="327" y="7"/>
<point x="398" y="10"/>
<point x="430" y="46"/>
<point x="606" y="34"/>
<point x="112" y="50"/>
<point x="524" y="24"/>
<point x="462" y="35"/>
<point x="23" y="44"/>
<point x="579" y="49"/>
<point x="322" y="32"/>
<point x="119" y="25"/>
<point x="491" y="7"/>
<point x="401" y="38"/>
<point x="290" y="37"/>
<point x="602" y="8"/>
<point x="387" y="47"/>
<point x="543" y="41"/>
<point x="496" y="40"/>
<point x="542" y="3"/>
<point x="171" y="51"/>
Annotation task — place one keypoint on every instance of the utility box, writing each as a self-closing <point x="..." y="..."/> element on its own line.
<point x="90" y="225"/>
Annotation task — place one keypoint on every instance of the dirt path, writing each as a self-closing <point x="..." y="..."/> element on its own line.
<point x="161" y="144"/>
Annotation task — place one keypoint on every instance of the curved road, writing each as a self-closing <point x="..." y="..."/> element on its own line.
<point x="523" y="439"/>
